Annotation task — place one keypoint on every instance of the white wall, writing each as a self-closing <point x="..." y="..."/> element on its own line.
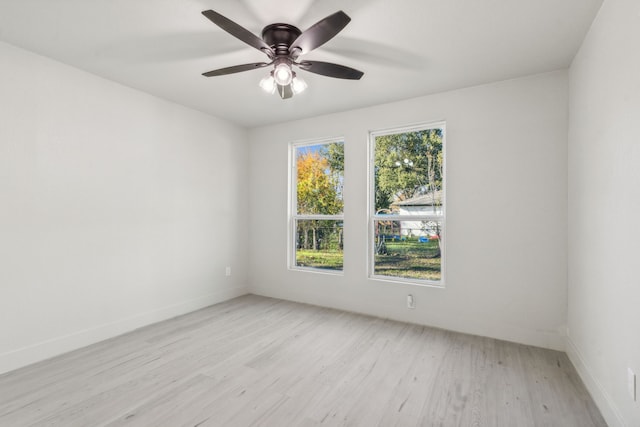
<point x="506" y="148"/>
<point x="604" y="194"/>
<point x="117" y="209"/>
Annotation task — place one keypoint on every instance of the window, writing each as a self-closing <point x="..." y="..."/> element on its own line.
<point x="316" y="214"/>
<point x="407" y="209"/>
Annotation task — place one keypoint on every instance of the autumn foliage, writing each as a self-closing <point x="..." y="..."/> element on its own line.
<point x="317" y="191"/>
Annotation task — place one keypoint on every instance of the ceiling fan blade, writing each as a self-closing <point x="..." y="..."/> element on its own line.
<point x="238" y="32"/>
<point x="236" y="69"/>
<point x="285" y="91"/>
<point x="319" y="33"/>
<point x="331" y="70"/>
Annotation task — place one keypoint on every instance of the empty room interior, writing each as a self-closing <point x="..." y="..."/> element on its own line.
<point x="319" y="213"/>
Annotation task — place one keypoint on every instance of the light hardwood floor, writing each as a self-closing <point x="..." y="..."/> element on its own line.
<point x="256" y="361"/>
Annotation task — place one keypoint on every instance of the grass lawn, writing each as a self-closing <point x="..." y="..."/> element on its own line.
<point x="325" y="258"/>
<point x="410" y="259"/>
<point x="407" y="259"/>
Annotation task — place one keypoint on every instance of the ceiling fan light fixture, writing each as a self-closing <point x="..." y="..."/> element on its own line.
<point x="268" y="84"/>
<point x="297" y="84"/>
<point x="282" y="73"/>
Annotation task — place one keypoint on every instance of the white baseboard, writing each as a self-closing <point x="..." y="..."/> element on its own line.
<point x="608" y="409"/>
<point x="554" y="340"/>
<point x="15" y="359"/>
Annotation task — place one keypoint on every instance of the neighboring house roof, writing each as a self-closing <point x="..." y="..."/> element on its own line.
<point x="422" y="200"/>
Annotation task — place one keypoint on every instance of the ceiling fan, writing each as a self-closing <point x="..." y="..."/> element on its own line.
<point x="284" y="44"/>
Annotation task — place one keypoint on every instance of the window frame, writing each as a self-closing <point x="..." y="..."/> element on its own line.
<point x="372" y="216"/>
<point x="294" y="216"/>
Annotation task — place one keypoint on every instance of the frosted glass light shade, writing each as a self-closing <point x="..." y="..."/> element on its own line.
<point x="298" y="85"/>
<point x="268" y="84"/>
<point x="283" y="74"/>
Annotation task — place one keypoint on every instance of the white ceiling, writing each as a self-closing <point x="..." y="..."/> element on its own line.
<point x="406" y="48"/>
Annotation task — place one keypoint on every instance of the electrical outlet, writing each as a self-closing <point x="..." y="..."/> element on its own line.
<point x="227" y="271"/>
<point x="411" y="302"/>
<point x="631" y="383"/>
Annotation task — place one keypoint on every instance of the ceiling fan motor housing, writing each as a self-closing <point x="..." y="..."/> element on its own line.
<point x="280" y="37"/>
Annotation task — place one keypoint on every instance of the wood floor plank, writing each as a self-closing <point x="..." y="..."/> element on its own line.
<point x="255" y="361"/>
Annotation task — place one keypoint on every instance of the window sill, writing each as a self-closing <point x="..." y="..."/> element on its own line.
<point x="412" y="282"/>
<point x="318" y="270"/>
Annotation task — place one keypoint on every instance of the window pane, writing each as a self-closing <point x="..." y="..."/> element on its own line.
<point x="408" y="172"/>
<point x="408" y="178"/>
<point x="319" y="244"/>
<point x="408" y="249"/>
<point x="320" y="178"/>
